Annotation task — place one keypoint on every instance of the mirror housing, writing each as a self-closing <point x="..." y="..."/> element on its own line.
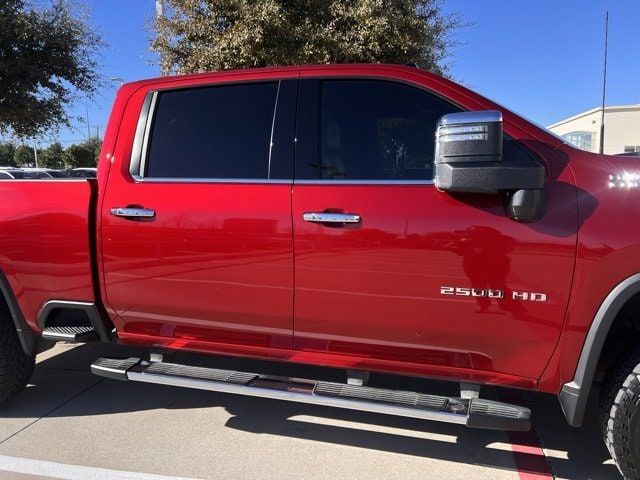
<point x="469" y="137"/>
<point x="490" y="177"/>
<point x="469" y="159"/>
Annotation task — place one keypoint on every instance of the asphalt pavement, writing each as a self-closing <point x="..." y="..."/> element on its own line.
<point x="70" y="424"/>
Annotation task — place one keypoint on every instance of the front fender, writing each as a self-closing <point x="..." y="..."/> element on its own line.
<point x="574" y="394"/>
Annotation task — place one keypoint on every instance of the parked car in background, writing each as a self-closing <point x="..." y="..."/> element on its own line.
<point x="58" y="173"/>
<point x="84" y="172"/>
<point x="37" y="172"/>
<point x="28" y="173"/>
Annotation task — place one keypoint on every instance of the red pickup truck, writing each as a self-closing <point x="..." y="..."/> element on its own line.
<point x="373" y="218"/>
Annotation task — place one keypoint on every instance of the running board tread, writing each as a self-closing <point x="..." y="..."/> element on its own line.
<point x="202" y="373"/>
<point x="73" y="334"/>
<point x="381" y="395"/>
<point x="475" y="412"/>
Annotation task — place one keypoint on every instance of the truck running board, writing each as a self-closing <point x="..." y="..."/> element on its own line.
<point x="474" y="412"/>
<point x="70" y="334"/>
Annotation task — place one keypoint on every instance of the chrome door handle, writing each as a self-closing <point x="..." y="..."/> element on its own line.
<point x="128" y="212"/>
<point x="331" y="217"/>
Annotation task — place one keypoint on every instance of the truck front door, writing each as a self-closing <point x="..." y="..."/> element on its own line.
<point x="401" y="276"/>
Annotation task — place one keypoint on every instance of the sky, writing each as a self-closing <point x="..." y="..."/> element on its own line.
<point x="540" y="58"/>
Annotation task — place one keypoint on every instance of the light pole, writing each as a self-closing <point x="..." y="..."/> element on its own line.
<point x="120" y="80"/>
<point x="159" y="8"/>
<point x="159" y="17"/>
<point x="35" y="153"/>
<point x="86" y="106"/>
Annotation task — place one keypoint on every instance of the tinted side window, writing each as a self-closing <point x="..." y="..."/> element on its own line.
<point x="377" y="130"/>
<point x="212" y="132"/>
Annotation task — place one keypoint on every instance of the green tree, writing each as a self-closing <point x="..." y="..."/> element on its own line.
<point x="84" y="154"/>
<point x="201" y="35"/>
<point x="52" y="156"/>
<point x="24" y="157"/>
<point x="46" y="58"/>
<point x="7" y="152"/>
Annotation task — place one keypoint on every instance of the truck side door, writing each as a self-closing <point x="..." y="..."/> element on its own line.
<point x="197" y="241"/>
<point x="390" y="270"/>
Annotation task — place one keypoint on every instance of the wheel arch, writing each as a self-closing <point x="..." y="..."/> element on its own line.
<point x="8" y="301"/>
<point x="574" y="394"/>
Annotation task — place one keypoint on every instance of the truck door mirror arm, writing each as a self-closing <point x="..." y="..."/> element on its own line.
<point x="468" y="159"/>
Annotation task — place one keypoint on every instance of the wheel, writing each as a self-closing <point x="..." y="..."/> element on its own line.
<point x="16" y="366"/>
<point x="620" y="414"/>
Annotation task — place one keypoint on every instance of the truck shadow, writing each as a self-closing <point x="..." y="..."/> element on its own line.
<point x="575" y="453"/>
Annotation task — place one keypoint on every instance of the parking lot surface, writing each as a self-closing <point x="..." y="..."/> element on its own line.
<point x="71" y="424"/>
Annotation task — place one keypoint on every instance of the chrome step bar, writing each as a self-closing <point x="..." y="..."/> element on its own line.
<point x="74" y="334"/>
<point x="475" y="412"/>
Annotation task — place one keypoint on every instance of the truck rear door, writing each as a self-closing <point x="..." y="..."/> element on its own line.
<point x="389" y="269"/>
<point x="196" y="228"/>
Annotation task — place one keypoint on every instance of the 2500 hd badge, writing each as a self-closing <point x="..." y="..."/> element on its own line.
<point x="489" y="293"/>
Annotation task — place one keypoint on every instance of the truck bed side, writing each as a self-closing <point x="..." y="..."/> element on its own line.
<point x="45" y="250"/>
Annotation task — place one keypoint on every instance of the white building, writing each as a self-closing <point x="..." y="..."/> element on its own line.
<point x="621" y="129"/>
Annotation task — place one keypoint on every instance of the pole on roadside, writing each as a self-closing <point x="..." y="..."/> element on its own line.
<point x="35" y="154"/>
<point x="86" y="106"/>
<point x="159" y="9"/>
<point x="159" y="16"/>
<point x="604" y="83"/>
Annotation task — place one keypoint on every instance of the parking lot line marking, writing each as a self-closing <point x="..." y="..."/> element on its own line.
<point x="63" y="471"/>
<point x="529" y="456"/>
<point x="526" y="447"/>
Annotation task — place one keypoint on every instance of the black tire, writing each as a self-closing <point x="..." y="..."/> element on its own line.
<point x="620" y="414"/>
<point x="16" y="366"/>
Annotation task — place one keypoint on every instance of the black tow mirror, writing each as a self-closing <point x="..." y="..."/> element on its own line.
<point x="469" y="159"/>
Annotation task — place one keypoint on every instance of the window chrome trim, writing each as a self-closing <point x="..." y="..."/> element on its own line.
<point x="138" y="151"/>
<point x="364" y="182"/>
<point x="277" y="181"/>
<point x="147" y="134"/>
<point x="274" y="181"/>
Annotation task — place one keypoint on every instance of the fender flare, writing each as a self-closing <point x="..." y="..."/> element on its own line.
<point x="574" y="394"/>
<point x="27" y="338"/>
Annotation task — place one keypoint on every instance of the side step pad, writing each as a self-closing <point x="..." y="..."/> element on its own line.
<point x="70" y="334"/>
<point x="475" y="412"/>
